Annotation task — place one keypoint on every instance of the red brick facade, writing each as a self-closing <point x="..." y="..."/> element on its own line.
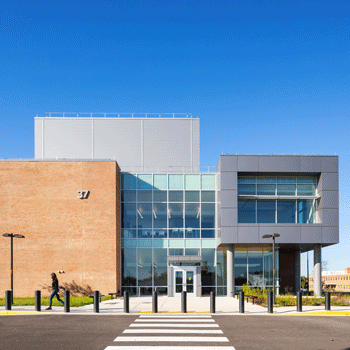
<point x="62" y="232"/>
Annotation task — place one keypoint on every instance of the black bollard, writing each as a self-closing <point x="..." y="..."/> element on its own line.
<point x="212" y="302"/>
<point x="300" y="301"/>
<point x="241" y="302"/>
<point x="96" y="301"/>
<point x="327" y="296"/>
<point x="270" y="302"/>
<point x="155" y="302"/>
<point x="126" y="302"/>
<point x="37" y="300"/>
<point x="66" y="301"/>
<point x="184" y="302"/>
<point x="8" y="300"/>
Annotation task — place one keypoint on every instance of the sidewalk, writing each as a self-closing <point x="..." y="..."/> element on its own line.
<point x="224" y="306"/>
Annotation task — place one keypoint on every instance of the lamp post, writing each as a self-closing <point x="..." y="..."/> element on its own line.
<point x="273" y="236"/>
<point x="16" y="236"/>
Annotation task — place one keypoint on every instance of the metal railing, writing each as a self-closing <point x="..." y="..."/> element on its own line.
<point x="116" y="115"/>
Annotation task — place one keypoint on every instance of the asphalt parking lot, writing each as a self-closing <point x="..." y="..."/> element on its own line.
<point x="243" y="332"/>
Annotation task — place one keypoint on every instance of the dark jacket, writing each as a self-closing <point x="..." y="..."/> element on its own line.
<point x="55" y="285"/>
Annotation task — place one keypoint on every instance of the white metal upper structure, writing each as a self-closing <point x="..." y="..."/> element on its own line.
<point x="138" y="141"/>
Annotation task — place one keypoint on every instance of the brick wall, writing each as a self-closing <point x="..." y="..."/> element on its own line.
<point x="38" y="199"/>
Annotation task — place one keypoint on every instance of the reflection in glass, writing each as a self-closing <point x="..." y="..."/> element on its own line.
<point x="129" y="215"/>
<point x="192" y="196"/>
<point x="208" y="215"/>
<point x="144" y="267"/>
<point x="246" y="211"/>
<point x="129" y="266"/>
<point x="129" y="196"/>
<point x="208" y="182"/>
<point x="159" y="196"/>
<point x="248" y="190"/>
<point x="208" y="233"/>
<point x="266" y="180"/>
<point x="192" y="233"/>
<point x="268" y="268"/>
<point x="160" y="267"/>
<point x="266" y="211"/>
<point x="255" y="269"/>
<point x="144" y="196"/>
<point x="176" y="233"/>
<point x="192" y="251"/>
<point x="176" y="251"/>
<point x="208" y="267"/>
<point x="286" y="211"/>
<point x="144" y="233"/>
<point x="160" y="215"/>
<point x="175" y="215"/>
<point x="189" y="281"/>
<point x="306" y="211"/>
<point x="240" y="268"/>
<point x="178" y="281"/>
<point x="158" y="233"/>
<point x="266" y="190"/>
<point x="286" y="179"/>
<point x="192" y="215"/>
<point x="286" y="190"/>
<point x="144" y="212"/>
<point x="176" y="196"/>
<point x="306" y="190"/>
<point x="176" y="182"/>
<point x="208" y="196"/>
<point x="246" y="179"/>
<point x="144" y="182"/>
<point x="127" y="233"/>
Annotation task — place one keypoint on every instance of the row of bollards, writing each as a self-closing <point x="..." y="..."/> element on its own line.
<point x="8" y="301"/>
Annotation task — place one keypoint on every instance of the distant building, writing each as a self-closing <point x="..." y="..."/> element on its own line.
<point x="334" y="280"/>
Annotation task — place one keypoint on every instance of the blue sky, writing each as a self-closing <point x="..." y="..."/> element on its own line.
<point x="263" y="76"/>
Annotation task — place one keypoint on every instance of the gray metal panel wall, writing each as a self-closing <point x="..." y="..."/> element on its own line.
<point x="324" y="231"/>
<point x="138" y="142"/>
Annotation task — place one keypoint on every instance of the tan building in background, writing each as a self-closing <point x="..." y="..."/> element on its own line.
<point x="80" y="236"/>
<point x="334" y="280"/>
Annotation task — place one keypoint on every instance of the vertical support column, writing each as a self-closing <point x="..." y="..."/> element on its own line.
<point x="297" y="283"/>
<point x="230" y="270"/>
<point x="317" y="270"/>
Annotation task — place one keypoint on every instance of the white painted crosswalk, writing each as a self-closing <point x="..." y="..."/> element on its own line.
<point x="150" y="331"/>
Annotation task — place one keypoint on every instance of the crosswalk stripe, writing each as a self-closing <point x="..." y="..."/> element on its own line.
<point x="173" y="320"/>
<point x="175" y="316"/>
<point x="169" y="348"/>
<point x="172" y="339"/>
<point x="174" y="325"/>
<point x="179" y="331"/>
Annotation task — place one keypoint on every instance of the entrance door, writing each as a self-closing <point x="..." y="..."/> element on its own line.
<point x="184" y="280"/>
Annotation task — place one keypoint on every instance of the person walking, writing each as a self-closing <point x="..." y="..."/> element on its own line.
<point x="55" y="291"/>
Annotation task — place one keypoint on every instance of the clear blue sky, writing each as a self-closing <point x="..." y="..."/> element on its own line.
<point x="263" y="76"/>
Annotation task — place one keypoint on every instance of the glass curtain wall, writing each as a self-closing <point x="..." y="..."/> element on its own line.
<point x="169" y="214"/>
<point x="282" y="207"/>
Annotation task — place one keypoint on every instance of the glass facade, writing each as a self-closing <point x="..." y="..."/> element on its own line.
<point x="261" y="209"/>
<point x="169" y="214"/>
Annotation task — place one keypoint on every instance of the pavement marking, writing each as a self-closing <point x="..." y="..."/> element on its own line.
<point x="169" y="348"/>
<point x="179" y="331"/>
<point x="172" y="339"/>
<point x="175" y="316"/>
<point x="173" y="320"/>
<point x="174" y="325"/>
<point x="318" y="313"/>
<point x="3" y="313"/>
<point x="173" y="313"/>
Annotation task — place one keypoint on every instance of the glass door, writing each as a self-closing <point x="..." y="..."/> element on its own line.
<point x="184" y="280"/>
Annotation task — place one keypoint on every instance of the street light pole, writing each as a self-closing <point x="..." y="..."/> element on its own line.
<point x="273" y="236"/>
<point x="11" y="235"/>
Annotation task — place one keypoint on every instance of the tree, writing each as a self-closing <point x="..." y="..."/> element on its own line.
<point x="304" y="282"/>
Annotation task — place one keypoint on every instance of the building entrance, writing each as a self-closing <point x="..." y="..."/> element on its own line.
<point x="184" y="280"/>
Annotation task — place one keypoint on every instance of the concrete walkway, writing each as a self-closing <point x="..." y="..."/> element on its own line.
<point x="224" y="306"/>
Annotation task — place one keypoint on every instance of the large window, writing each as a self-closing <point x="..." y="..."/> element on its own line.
<point x="254" y="205"/>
